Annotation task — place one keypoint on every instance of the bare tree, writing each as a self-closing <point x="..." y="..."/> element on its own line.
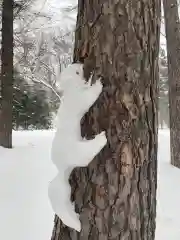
<point x="172" y="27"/>
<point x="39" y="53"/>
<point x="6" y="75"/>
<point x="116" y="195"/>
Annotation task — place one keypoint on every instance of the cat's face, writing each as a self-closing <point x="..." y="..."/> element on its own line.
<point x="71" y="77"/>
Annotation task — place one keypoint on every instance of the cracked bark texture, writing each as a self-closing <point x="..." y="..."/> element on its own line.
<point x="172" y="27"/>
<point x="116" y="194"/>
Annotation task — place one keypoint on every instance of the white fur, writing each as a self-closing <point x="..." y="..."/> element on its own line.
<point x="69" y="150"/>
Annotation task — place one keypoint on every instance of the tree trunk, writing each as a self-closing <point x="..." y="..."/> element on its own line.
<point x="172" y="27"/>
<point x="6" y="75"/>
<point x="116" y="194"/>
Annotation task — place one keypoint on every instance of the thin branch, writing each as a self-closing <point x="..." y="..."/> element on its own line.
<point x="49" y="86"/>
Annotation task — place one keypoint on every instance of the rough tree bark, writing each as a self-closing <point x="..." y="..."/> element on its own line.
<point x="6" y="75"/>
<point x="116" y="194"/>
<point x="172" y="28"/>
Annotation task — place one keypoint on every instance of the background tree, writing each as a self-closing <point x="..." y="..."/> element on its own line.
<point x="6" y="74"/>
<point x="40" y="50"/>
<point x="39" y="55"/>
<point x="172" y="27"/>
<point x="163" y="109"/>
<point x="31" y="108"/>
<point x="116" y="194"/>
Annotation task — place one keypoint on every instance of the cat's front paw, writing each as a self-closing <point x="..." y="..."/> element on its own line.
<point x="75" y="222"/>
<point x="98" y="87"/>
<point x="101" y="137"/>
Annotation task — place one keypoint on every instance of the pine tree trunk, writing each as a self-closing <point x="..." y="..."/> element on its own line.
<point x="6" y="75"/>
<point x="173" y="51"/>
<point x="116" y="194"/>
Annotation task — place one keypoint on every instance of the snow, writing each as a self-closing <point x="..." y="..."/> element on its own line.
<point x="168" y="194"/>
<point x="25" y="172"/>
<point x="69" y="150"/>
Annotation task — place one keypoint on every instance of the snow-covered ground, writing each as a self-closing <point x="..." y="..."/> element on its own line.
<point x="25" y="171"/>
<point x="168" y="195"/>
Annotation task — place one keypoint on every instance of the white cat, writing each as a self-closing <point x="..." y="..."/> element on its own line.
<point x="69" y="150"/>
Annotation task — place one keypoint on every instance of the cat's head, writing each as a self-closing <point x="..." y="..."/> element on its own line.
<point x="72" y="77"/>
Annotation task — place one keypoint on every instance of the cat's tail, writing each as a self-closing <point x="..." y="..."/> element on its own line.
<point x="59" y="194"/>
